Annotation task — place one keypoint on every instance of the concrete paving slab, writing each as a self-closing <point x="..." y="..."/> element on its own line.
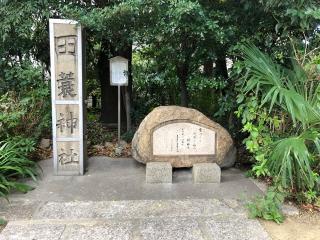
<point x="17" y="209"/>
<point x="221" y="227"/>
<point x="112" y="201"/>
<point x="32" y="232"/>
<point x="106" y="231"/>
<point x="132" y="209"/>
<point x="234" y="227"/>
<point x="124" y="179"/>
<point x="172" y="228"/>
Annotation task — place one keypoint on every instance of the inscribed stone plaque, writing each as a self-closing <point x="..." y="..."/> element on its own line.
<point x="66" y="61"/>
<point x="183" y="138"/>
<point x="168" y="133"/>
<point x="67" y="122"/>
<point x="68" y="156"/>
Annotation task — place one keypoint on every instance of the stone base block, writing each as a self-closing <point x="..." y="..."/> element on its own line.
<point x="158" y="172"/>
<point x="206" y="173"/>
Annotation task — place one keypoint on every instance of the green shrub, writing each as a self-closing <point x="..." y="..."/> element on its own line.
<point x="24" y="101"/>
<point x="267" y="207"/>
<point x="27" y="115"/>
<point x="309" y="197"/>
<point x="127" y="136"/>
<point x="279" y="108"/>
<point x="206" y="95"/>
<point x="15" y="164"/>
<point x="98" y="133"/>
<point x="2" y="222"/>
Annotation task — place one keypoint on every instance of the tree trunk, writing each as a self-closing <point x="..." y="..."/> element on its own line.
<point x="184" y="93"/>
<point x="183" y="77"/>
<point x="221" y="65"/>
<point x="128" y="108"/>
<point x="109" y="98"/>
<point x="208" y="68"/>
<point x="128" y="90"/>
<point x="94" y="101"/>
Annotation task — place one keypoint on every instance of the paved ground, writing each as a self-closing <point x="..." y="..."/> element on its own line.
<point x="112" y="201"/>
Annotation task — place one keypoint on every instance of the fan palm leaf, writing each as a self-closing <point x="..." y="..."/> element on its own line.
<point x="289" y="90"/>
<point x="279" y="86"/>
<point x="290" y="163"/>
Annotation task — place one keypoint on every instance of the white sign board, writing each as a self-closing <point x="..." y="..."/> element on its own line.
<point x="119" y="71"/>
<point x="183" y="138"/>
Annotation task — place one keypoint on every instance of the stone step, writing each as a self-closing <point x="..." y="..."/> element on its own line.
<point x="194" y="219"/>
<point x="132" y="209"/>
<point x="223" y="226"/>
<point x="21" y="209"/>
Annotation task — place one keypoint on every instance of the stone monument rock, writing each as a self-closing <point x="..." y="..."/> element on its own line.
<point x="183" y="137"/>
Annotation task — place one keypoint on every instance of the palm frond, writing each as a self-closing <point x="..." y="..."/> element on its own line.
<point x="278" y="85"/>
<point x="290" y="163"/>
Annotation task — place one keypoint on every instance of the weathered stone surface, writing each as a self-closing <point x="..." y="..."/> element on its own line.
<point x="217" y="150"/>
<point x="171" y="228"/>
<point x="132" y="209"/>
<point x="68" y="72"/>
<point x="159" y="172"/>
<point x="45" y="143"/>
<point x="105" y="231"/>
<point x="206" y="173"/>
<point x="123" y="143"/>
<point x="230" y="158"/>
<point x="108" y="144"/>
<point x="32" y="232"/>
<point x="17" y="209"/>
<point x="289" y="210"/>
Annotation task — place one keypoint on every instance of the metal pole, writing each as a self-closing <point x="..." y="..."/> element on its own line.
<point x="119" y="111"/>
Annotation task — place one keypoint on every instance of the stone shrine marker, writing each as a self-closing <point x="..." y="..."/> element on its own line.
<point x="183" y="137"/>
<point x="172" y="136"/>
<point x="67" y="73"/>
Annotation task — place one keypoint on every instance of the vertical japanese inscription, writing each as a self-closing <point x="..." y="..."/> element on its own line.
<point x="66" y="83"/>
<point x="66" y="56"/>
<point x="183" y="138"/>
<point x="67" y="120"/>
<point x="66" y="44"/>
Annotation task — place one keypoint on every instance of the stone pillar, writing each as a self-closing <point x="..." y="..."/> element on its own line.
<point x="206" y="173"/>
<point x="158" y="172"/>
<point x="67" y="77"/>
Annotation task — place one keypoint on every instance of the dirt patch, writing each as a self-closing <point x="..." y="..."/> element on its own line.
<point x="109" y="150"/>
<point x="305" y="226"/>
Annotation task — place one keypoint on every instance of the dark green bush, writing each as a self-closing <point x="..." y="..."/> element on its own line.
<point x="279" y="108"/>
<point x="25" y="108"/>
<point x="98" y="133"/>
<point x="25" y="116"/>
<point x="127" y="136"/>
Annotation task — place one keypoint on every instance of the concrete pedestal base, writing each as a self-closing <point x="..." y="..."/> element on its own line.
<point x="158" y="172"/>
<point x="206" y="173"/>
